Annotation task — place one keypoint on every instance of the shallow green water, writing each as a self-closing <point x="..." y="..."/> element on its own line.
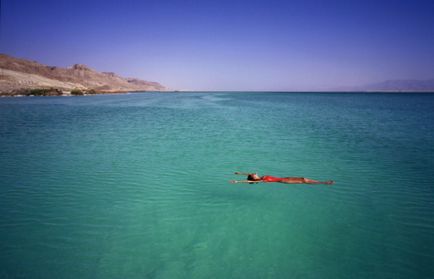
<point x="136" y="186"/>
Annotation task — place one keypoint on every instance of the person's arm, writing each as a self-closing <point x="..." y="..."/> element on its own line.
<point x="246" y="181"/>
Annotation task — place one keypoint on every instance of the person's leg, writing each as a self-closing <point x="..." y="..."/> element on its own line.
<point x="303" y="180"/>
<point x="293" y="180"/>
<point x="311" y="181"/>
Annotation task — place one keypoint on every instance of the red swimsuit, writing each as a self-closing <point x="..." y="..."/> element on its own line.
<point x="268" y="178"/>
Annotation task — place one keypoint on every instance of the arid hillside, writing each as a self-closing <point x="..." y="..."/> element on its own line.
<point x="20" y="76"/>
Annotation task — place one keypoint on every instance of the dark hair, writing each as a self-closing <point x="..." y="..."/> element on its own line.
<point x="250" y="177"/>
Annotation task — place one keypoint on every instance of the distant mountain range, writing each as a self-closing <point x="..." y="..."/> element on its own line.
<point x="401" y="85"/>
<point x="24" y="77"/>
<point x="397" y="85"/>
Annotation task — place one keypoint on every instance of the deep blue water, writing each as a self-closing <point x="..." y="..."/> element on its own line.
<point x="136" y="186"/>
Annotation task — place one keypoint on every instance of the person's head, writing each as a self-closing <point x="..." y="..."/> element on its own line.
<point x="253" y="177"/>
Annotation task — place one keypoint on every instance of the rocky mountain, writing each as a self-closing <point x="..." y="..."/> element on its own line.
<point x="20" y="76"/>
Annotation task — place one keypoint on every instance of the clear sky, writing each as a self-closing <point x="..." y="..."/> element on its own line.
<point x="229" y="45"/>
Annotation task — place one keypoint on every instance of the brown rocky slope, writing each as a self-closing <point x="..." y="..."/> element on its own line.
<point x="20" y="76"/>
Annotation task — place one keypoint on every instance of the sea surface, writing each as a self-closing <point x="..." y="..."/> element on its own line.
<point x="136" y="186"/>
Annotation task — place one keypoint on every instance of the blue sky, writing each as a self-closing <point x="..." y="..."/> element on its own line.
<point x="229" y="45"/>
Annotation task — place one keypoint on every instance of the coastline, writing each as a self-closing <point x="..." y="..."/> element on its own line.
<point x="59" y="93"/>
<point x="52" y="92"/>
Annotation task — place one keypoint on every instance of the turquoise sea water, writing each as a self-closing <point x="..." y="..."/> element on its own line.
<point x="136" y="186"/>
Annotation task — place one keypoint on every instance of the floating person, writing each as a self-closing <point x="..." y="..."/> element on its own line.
<point x="255" y="178"/>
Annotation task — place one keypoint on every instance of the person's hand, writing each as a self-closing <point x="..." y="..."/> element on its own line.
<point x="233" y="181"/>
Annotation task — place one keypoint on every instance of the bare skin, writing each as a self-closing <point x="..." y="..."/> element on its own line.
<point x="286" y="180"/>
<point x="303" y="180"/>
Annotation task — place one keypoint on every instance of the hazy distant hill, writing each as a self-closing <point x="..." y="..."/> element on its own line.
<point x="393" y="86"/>
<point x="401" y="85"/>
<point x="20" y="75"/>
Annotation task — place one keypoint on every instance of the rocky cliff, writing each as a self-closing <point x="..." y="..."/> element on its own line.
<point x="20" y="76"/>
